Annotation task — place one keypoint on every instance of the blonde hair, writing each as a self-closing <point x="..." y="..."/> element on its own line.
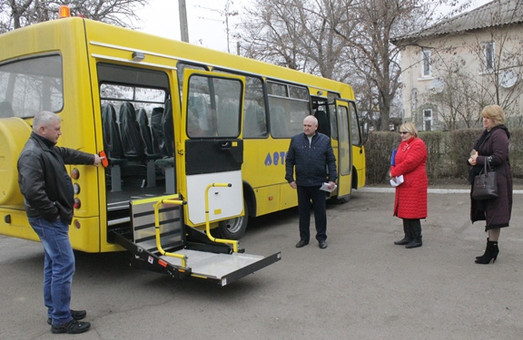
<point x="494" y="112"/>
<point x="410" y="128"/>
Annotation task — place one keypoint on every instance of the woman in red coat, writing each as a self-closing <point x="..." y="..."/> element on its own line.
<point x="410" y="203"/>
<point x="491" y="147"/>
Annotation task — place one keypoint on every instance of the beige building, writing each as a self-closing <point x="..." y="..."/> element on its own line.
<point x="451" y="70"/>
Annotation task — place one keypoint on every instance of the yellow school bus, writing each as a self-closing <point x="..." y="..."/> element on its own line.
<point x="195" y="138"/>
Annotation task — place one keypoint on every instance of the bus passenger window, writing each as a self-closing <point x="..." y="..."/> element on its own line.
<point x="279" y="123"/>
<point x="213" y="107"/>
<point x="30" y="85"/>
<point x="5" y="110"/>
<point x="288" y="106"/>
<point x="197" y="117"/>
<point x="255" y="124"/>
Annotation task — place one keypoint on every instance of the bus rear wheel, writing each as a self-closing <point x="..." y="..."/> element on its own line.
<point x="233" y="228"/>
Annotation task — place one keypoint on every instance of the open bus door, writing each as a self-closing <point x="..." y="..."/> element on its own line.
<point x="211" y="150"/>
<point x="344" y="155"/>
<point x="209" y="155"/>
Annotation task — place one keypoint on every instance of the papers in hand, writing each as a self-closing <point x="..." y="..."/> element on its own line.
<point x="325" y="187"/>
<point x="396" y="180"/>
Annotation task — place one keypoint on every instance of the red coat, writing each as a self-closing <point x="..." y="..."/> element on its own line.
<point x="411" y="195"/>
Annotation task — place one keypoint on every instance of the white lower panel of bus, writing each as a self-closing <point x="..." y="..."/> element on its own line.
<point x="224" y="203"/>
<point x="211" y="265"/>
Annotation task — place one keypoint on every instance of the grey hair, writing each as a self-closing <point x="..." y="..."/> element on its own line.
<point x="43" y="118"/>
<point x="311" y="117"/>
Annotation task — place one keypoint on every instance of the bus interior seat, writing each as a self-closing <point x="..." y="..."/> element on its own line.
<point x="6" y="110"/>
<point x="158" y="136"/>
<point x="112" y="146"/>
<point x="151" y="156"/>
<point x="133" y="148"/>
<point x="323" y="122"/>
<point x="167" y="162"/>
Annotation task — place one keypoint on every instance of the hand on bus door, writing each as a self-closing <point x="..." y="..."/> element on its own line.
<point x="98" y="159"/>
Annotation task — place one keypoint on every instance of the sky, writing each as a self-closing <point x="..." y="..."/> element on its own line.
<point x="206" y="20"/>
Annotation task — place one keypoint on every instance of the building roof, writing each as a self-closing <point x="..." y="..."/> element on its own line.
<point x="493" y="14"/>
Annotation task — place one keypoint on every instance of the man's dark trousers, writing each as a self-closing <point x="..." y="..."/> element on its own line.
<point x="305" y="195"/>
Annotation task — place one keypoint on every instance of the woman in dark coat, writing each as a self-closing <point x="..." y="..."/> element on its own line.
<point x="492" y="147"/>
<point x="410" y="203"/>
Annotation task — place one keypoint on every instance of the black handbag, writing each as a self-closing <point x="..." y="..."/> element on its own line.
<point x="485" y="186"/>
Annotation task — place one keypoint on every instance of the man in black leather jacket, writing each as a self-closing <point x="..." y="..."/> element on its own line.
<point x="48" y="199"/>
<point x="310" y="155"/>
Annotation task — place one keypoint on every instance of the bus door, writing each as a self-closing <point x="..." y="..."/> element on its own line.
<point x="344" y="156"/>
<point x="212" y="148"/>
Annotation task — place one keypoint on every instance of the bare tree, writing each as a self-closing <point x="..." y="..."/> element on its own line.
<point x="347" y="40"/>
<point x="19" y="13"/>
<point x="297" y="34"/>
<point x="371" y="53"/>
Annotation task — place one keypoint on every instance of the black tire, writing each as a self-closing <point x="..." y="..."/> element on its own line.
<point x="234" y="228"/>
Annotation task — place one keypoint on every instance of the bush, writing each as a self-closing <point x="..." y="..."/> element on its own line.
<point x="447" y="154"/>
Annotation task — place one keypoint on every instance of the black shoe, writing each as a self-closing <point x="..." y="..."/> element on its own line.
<point x="491" y="253"/>
<point x="403" y="241"/>
<point x="71" y="327"/>
<point x="322" y="244"/>
<point x="76" y="314"/>
<point x="301" y="243"/>
<point x="414" y="244"/>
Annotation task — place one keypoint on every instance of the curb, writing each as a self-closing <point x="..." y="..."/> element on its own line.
<point x="430" y="190"/>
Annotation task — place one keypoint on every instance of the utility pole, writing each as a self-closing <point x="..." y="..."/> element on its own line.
<point x="227" y="12"/>
<point x="184" y="29"/>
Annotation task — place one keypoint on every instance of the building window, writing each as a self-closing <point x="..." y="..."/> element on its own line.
<point x="425" y="63"/>
<point x="427" y="120"/>
<point x="488" y="56"/>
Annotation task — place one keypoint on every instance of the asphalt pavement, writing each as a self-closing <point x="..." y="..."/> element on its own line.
<point x="361" y="287"/>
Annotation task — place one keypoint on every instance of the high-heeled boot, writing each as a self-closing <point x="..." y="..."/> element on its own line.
<point x="477" y="257"/>
<point x="491" y="253"/>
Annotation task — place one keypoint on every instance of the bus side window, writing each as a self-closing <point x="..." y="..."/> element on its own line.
<point x="198" y="117"/>
<point x="6" y="110"/>
<point x="255" y="125"/>
<point x="227" y="119"/>
<point x="279" y="123"/>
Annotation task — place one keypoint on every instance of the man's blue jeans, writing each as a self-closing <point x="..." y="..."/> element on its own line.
<point x="59" y="264"/>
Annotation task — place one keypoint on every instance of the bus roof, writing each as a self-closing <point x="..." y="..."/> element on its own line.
<point x="126" y="39"/>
